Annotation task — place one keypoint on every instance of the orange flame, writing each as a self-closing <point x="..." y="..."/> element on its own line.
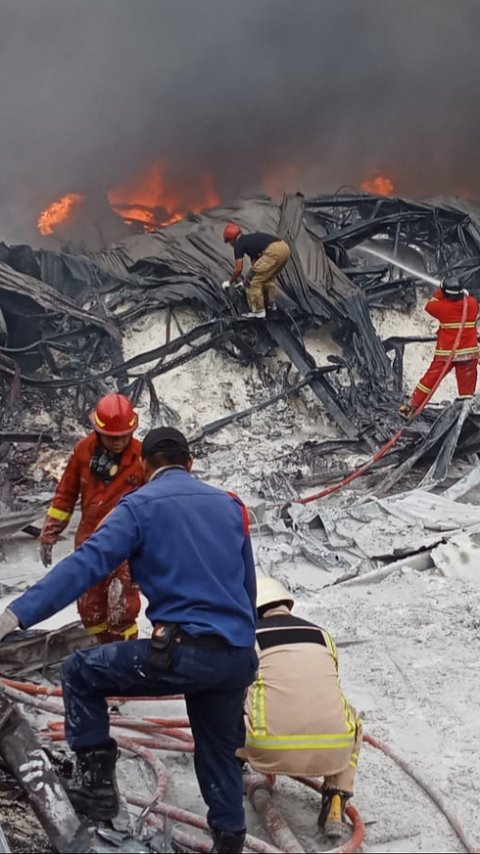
<point x="57" y="212"/>
<point x="379" y="184"/>
<point x="151" y="198"/>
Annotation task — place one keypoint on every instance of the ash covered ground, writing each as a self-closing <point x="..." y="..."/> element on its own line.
<point x="407" y="643"/>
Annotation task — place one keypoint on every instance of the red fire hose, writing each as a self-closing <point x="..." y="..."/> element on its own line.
<point x="163" y="737"/>
<point x="335" y="487"/>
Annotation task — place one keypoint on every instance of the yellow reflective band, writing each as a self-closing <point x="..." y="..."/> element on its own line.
<point x="132" y="630"/>
<point x="353" y="760"/>
<point x="334" y="741"/>
<point x="258" y="707"/>
<point x="95" y="630"/>
<point x="457" y="352"/>
<point x="471" y="324"/>
<point x="62" y="515"/>
<point x="331" y="647"/>
<point x="97" y="421"/>
<point x="423" y="388"/>
<point x="464" y="396"/>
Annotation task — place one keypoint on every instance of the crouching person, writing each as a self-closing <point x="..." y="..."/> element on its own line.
<point x="298" y="721"/>
<point x="189" y="550"/>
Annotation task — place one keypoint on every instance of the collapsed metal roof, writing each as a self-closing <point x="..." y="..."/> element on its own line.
<point x="63" y="315"/>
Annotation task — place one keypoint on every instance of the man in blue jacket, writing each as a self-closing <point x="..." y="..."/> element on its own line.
<point x="189" y="550"/>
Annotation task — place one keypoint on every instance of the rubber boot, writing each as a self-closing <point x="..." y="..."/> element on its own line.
<point x="228" y="843"/>
<point x="331" y="821"/>
<point x="93" y="791"/>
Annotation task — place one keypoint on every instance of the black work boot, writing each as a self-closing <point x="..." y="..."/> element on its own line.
<point x="331" y="821"/>
<point x="228" y="843"/>
<point x="93" y="790"/>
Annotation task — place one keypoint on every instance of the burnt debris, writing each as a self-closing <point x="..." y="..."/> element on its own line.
<point x="62" y="315"/>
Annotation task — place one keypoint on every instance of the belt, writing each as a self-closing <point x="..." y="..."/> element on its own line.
<point x="201" y="641"/>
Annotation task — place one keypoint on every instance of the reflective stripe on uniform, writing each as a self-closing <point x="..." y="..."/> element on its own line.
<point x="132" y="630"/>
<point x="471" y="324"/>
<point x="258" y="707"/>
<point x="464" y="396"/>
<point x="61" y="515"/>
<point x="353" y="760"/>
<point x="423" y="388"/>
<point x="331" y="647"/>
<point x="332" y="741"/>
<point x="457" y="352"/>
<point x="95" y="630"/>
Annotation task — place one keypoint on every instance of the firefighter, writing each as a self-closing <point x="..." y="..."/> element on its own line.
<point x="298" y="721"/>
<point x="446" y="305"/>
<point x="190" y="552"/>
<point x="104" y="466"/>
<point x="268" y="255"/>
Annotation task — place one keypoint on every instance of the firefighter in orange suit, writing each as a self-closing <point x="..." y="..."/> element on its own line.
<point x="104" y="466"/>
<point x="446" y="305"/>
<point x="298" y="721"/>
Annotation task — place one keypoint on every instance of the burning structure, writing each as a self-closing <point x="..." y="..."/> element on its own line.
<point x="352" y="254"/>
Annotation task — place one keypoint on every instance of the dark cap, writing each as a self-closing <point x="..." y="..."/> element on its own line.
<point x="164" y="440"/>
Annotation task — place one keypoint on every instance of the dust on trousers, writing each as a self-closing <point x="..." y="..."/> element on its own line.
<point x="466" y="376"/>
<point x="109" y="610"/>
<point x="264" y="274"/>
<point x="214" y="683"/>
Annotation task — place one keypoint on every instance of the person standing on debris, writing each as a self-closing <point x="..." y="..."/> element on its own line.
<point x="189" y="548"/>
<point x="268" y="255"/>
<point x="104" y="466"/>
<point x="446" y="305"/>
<point x="298" y="721"/>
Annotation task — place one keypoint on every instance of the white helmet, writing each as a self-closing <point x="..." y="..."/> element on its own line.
<point x="269" y="590"/>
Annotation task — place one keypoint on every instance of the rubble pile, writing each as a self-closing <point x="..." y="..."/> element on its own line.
<point x="64" y="318"/>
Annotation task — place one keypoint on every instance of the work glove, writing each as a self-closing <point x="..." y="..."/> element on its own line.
<point x="8" y="623"/>
<point x="240" y="287"/>
<point x="465" y="292"/>
<point x="46" y="553"/>
<point x="226" y="285"/>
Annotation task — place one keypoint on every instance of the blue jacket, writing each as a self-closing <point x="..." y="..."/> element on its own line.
<point x="189" y="551"/>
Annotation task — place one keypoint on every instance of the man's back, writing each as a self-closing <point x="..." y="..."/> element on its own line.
<point x="194" y="564"/>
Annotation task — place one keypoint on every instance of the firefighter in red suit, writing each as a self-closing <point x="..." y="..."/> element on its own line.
<point x="446" y="305"/>
<point x="104" y="467"/>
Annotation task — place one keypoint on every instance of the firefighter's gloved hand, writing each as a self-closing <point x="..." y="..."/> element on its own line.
<point x="46" y="553"/>
<point x="8" y="623"/>
<point x="240" y="287"/>
<point x="465" y="292"/>
<point x="226" y="285"/>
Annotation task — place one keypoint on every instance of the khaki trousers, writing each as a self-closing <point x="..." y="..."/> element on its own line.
<point x="265" y="271"/>
<point x="345" y="778"/>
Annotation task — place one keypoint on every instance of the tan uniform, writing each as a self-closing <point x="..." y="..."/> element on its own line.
<point x="298" y="721"/>
<point x="265" y="270"/>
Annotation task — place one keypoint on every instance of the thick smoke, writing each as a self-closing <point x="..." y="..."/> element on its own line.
<point x="323" y="92"/>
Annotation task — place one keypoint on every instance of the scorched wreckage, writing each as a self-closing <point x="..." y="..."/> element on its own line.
<point x="65" y="322"/>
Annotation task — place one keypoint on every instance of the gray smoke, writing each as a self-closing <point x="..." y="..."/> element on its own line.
<point x="91" y="91"/>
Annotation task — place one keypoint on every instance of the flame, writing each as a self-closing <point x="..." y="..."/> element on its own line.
<point x="152" y="199"/>
<point x="57" y="212"/>
<point x="379" y="184"/>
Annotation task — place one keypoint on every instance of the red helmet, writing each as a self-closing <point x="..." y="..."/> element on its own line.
<point x="231" y="232"/>
<point x="114" y="416"/>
